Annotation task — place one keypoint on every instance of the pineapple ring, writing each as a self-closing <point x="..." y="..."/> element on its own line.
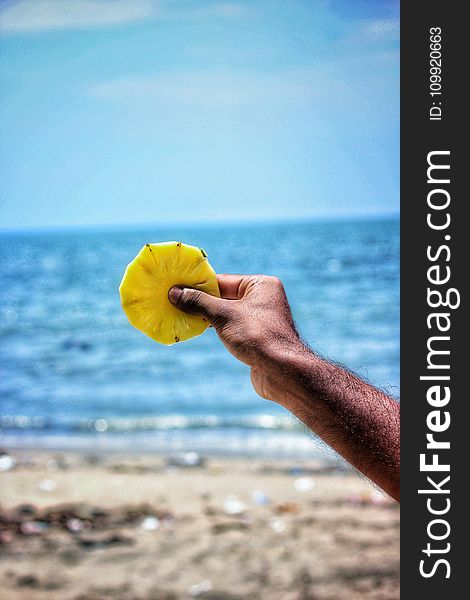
<point x="147" y="280"/>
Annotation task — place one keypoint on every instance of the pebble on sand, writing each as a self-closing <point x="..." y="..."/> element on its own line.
<point x="7" y="462"/>
<point x="304" y="484"/>
<point x="233" y="505"/>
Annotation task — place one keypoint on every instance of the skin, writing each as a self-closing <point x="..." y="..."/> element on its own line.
<point x="254" y="321"/>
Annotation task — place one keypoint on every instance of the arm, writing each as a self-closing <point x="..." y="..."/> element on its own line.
<point x="254" y="321"/>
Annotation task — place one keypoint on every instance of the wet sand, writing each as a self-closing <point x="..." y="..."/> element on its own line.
<point x="99" y="527"/>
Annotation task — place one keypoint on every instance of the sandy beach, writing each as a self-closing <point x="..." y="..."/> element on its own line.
<point x="93" y="527"/>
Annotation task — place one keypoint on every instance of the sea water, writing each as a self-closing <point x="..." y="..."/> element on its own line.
<point x="75" y="374"/>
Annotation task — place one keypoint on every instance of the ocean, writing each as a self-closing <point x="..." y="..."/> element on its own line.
<point x="74" y="374"/>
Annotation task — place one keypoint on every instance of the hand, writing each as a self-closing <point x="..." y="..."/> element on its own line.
<point x="253" y="320"/>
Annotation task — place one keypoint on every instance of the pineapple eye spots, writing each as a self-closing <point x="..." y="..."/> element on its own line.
<point x="147" y="280"/>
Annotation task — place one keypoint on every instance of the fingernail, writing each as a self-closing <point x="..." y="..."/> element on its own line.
<point x="174" y="294"/>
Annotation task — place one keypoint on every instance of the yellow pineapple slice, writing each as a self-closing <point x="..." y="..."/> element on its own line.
<point x="145" y="284"/>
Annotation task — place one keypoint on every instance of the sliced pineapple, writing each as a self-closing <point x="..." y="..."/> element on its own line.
<point x="145" y="284"/>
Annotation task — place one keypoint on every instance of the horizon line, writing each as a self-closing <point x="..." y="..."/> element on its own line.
<point x="203" y="223"/>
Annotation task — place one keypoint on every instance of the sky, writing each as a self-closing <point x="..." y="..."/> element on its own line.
<point x="142" y="111"/>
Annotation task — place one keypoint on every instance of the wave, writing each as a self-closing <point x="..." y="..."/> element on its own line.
<point x="149" y="423"/>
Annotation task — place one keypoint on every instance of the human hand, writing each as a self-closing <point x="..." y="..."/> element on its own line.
<point x="253" y="320"/>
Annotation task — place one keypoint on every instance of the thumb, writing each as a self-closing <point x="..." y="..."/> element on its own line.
<point x="196" y="302"/>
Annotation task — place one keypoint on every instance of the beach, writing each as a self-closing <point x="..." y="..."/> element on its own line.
<point x="78" y="526"/>
<point x="143" y="472"/>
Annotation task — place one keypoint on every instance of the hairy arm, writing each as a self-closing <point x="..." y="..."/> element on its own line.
<point x="254" y="321"/>
<point x="359" y="421"/>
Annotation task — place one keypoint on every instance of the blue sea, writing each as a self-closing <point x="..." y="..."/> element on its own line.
<point x="74" y="374"/>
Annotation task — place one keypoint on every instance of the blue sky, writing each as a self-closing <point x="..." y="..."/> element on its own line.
<point x="143" y="111"/>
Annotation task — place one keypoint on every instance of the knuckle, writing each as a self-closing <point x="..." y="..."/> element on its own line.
<point x="275" y="282"/>
<point x="192" y="298"/>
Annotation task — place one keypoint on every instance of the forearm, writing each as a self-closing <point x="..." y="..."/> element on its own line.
<point x="358" y="421"/>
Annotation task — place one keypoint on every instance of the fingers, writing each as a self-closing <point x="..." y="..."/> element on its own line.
<point x="230" y="286"/>
<point x="197" y="302"/>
